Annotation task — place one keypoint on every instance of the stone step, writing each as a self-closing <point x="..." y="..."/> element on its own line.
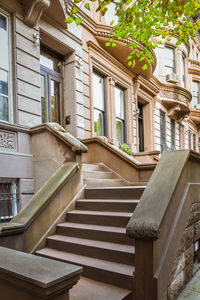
<point x="102" y="270"/>
<point x="96" y="182"/>
<point x="92" y="167"/>
<point x="107" y="205"/>
<point x="97" y="174"/>
<point x="93" y="248"/>
<point x="94" y="232"/>
<point x="119" y="219"/>
<point x="125" y="192"/>
<point x="88" y="289"/>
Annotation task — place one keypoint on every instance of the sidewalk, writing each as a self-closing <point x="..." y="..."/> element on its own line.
<point x="192" y="290"/>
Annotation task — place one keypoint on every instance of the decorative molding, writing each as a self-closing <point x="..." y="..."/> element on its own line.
<point x="33" y="10"/>
<point x="7" y="140"/>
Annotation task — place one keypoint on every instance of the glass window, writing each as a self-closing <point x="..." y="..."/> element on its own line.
<point x="182" y="71"/>
<point x="120" y="114"/>
<point x="110" y="14"/>
<point x="49" y="61"/>
<point x="173" y="147"/>
<point x="194" y="141"/>
<point x="99" y="104"/>
<point x="189" y="139"/>
<point x="162" y="131"/>
<point x="169" y="60"/>
<point x="5" y="80"/>
<point x="195" y="93"/>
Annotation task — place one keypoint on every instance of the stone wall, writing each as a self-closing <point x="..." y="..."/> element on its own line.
<point x="185" y="264"/>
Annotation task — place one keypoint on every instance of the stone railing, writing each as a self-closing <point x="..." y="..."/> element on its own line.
<point x="29" y="228"/>
<point x="30" y="277"/>
<point x="165" y="226"/>
<point x="131" y="169"/>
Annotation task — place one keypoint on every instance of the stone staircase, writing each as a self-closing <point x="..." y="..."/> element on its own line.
<point x="93" y="235"/>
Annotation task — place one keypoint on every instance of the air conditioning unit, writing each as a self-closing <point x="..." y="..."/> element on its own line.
<point x="172" y="78"/>
<point x="197" y="106"/>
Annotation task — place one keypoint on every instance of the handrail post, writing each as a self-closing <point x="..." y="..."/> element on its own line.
<point x="144" y="283"/>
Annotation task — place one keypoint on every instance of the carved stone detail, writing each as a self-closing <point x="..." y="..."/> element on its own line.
<point x="7" y="140"/>
<point x="33" y="10"/>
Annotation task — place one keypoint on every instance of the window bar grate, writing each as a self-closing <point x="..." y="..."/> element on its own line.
<point x="8" y="199"/>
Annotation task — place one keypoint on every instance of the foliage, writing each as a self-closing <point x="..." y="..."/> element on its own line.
<point x="126" y="148"/>
<point x="147" y="22"/>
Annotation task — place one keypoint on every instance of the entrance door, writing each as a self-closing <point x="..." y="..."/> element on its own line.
<point x="51" y="87"/>
<point x="141" y="127"/>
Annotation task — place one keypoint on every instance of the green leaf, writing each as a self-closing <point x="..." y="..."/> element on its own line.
<point x="108" y="44"/>
<point x="87" y="6"/>
<point x="130" y="63"/>
<point x="74" y="10"/>
<point x="141" y="58"/>
<point x="112" y="22"/>
<point x="69" y="20"/>
<point x="113" y="45"/>
<point x="77" y="1"/>
<point x="178" y="43"/>
<point x="129" y="57"/>
<point x="78" y="21"/>
<point x="144" y="67"/>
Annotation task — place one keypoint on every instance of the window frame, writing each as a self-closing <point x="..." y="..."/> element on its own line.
<point x="11" y="64"/>
<point x="198" y="98"/>
<point x="175" y="59"/>
<point x="124" y="133"/>
<point x="98" y="73"/>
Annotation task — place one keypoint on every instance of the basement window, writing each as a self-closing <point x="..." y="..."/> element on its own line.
<point x="8" y="199"/>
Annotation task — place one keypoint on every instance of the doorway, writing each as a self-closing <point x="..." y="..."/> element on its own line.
<point x="51" y="66"/>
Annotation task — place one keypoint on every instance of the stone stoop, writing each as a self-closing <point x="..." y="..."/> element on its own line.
<point x="94" y="237"/>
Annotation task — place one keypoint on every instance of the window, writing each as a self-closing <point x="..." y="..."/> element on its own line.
<point x="51" y="86"/>
<point x="162" y="132"/>
<point x="195" y="93"/>
<point x="180" y="133"/>
<point x="189" y="139"/>
<point x="141" y="127"/>
<point x="8" y="199"/>
<point x="182" y="71"/>
<point x="99" y="104"/>
<point x="111" y="15"/>
<point x="5" y="67"/>
<point x="120" y="114"/>
<point x="169" y="60"/>
<point x="173" y="146"/>
<point x="194" y="141"/>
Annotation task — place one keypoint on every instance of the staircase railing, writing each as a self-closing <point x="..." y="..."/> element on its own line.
<point x="169" y="208"/>
<point x="29" y="228"/>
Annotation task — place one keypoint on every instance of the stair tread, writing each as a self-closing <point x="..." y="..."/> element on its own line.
<point x="125" y="187"/>
<point x="109" y="200"/>
<point x="93" y="243"/>
<point x="102" y="172"/>
<point x="94" y="227"/>
<point x="101" y="213"/>
<point x="87" y="261"/>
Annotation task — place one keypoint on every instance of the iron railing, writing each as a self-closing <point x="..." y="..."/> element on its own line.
<point x="8" y="199"/>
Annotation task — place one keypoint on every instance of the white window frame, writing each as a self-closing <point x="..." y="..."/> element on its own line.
<point x="10" y="77"/>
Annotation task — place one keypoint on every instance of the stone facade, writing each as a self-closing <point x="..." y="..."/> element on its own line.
<point x="188" y="255"/>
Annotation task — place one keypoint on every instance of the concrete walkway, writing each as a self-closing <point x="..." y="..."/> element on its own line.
<point x="192" y="290"/>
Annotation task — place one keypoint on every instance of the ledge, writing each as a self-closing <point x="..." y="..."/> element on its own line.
<point x="75" y="145"/>
<point x="121" y="52"/>
<point x="37" y="275"/>
<point x="195" y="116"/>
<point x="128" y="158"/>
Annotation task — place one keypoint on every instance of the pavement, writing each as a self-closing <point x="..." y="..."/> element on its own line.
<point x="192" y="289"/>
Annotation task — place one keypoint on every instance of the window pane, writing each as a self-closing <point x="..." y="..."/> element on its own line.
<point x="3" y="22"/>
<point x="3" y="95"/>
<point x="43" y="98"/>
<point x="182" y="71"/>
<point x="50" y="62"/>
<point x="195" y="92"/>
<point x="4" y="43"/>
<point x="110" y="15"/>
<point x="120" y="131"/>
<point x="55" y="91"/>
<point x="169" y="60"/>
<point x="119" y="103"/>
<point x="98" y="122"/>
<point x="98" y="91"/>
